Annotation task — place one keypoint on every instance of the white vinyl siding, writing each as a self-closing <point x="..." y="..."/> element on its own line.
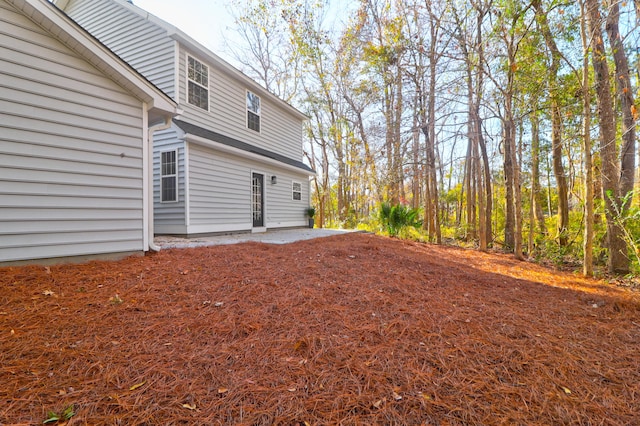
<point x="144" y="45"/>
<point x="169" y="215"/>
<point x="220" y="192"/>
<point x="70" y="151"/>
<point x="280" y="130"/>
<point x="283" y="209"/>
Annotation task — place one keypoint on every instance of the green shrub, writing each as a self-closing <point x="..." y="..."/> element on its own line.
<point x="398" y="217"/>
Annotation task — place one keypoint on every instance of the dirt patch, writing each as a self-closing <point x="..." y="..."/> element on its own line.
<point x="351" y="329"/>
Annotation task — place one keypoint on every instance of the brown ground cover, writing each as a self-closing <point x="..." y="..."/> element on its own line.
<point x="354" y="329"/>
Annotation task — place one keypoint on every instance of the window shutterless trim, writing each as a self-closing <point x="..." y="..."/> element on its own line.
<point x="198" y="81"/>
<point x="296" y="191"/>
<point x="169" y="173"/>
<point x="253" y="112"/>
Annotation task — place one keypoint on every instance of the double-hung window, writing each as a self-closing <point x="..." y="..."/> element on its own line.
<point x="253" y="111"/>
<point x="296" y="191"/>
<point x="198" y="82"/>
<point x="168" y="176"/>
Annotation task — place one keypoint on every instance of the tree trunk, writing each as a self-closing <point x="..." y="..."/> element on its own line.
<point x="618" y="262"/>
<point x="625" y="94"/>
<point x="556" y="126"/>
<point x="536" y="189"/>
<point x="587" y="263"/>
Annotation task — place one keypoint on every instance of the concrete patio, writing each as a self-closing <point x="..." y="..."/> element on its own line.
<point x="276" y="236"/>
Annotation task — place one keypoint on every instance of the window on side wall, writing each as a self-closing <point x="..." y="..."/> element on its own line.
<point x="296" y="191"/>
<point x="253" y="111"/>
<point x="198" y="83"/>
<point x="168" y="177"/>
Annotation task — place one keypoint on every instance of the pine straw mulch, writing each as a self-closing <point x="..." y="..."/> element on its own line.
<point x="354" y="329"/>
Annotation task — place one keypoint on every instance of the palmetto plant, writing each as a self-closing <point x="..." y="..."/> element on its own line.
<point x="397" y="217"/>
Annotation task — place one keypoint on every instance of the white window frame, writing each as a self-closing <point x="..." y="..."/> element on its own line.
<point x="257" y="114"/>
<point x="294" y="192"/>
<point x="168" y="175"/>
<point x="197" y="83"/>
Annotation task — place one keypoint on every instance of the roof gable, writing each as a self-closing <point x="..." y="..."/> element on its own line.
<point x="204" y="54"/>
<point x="60" y="26"/>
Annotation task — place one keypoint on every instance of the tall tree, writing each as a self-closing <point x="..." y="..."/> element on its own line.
<point x="618" y="261"/>
<point x="469" y="34"/>
<point x="587" y="263"/>
<point x="627" y="105"/>
<point x="268" y="55"/>
<point x="556" y="124"/>
<point x="511" y="29"/>
<point x="384" y="48"/>
<point x="537" y="216"/>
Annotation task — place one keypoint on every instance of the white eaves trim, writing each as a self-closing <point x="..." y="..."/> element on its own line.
<point x="57" y="23"/>
<point x="199" y="140"/>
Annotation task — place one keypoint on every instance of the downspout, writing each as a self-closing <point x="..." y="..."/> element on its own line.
<point x="164" y="125"/>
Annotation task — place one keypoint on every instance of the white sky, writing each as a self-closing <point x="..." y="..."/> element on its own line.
<point x="209" y="21"/>
<point x="204" y="20"/>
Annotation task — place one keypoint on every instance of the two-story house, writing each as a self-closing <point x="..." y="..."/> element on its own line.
<point x="232" y="160"/>
<point x="75" y="151"/>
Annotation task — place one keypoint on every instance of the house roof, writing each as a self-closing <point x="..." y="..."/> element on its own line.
<point x="64" y="29"/>
<point x="191" y="129"/>
<point x="203" y="52"/>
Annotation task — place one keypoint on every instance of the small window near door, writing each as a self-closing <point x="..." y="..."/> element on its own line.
<point x="253" y="111"/>
<point x="296" y="191"/>
<point x="168" y="177"/>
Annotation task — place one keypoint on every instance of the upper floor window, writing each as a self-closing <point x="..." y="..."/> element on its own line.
<point x="168" y="176"/>
<point x="253" y="111"/>
<point x="296" y="191"/>
<point x="198" y="82"/>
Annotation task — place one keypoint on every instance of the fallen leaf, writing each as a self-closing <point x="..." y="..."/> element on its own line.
<point x="292" y="389"/>
<point x="189" y="406"/>
<point x="396" y="396"/>
<point x="378" y="403"/>
<point x="223" y="390"/>
<point x="48" y="293"/>
<point x="424" y="396"/>
<point x="137" y="385"/>
<point x="566" y="390"/>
